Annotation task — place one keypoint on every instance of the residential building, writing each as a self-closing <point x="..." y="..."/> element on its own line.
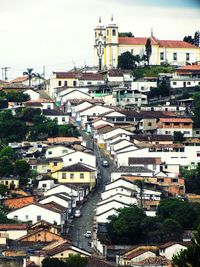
<point x="78" y="173"/>
<point x="12" y="182"/>
<point x="79" y="156"/>
<point x="59" y="116"/>
<point x="171" y="125"/>
<point x="14" y="231"/>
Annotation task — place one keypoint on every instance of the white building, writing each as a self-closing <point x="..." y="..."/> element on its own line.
<point x="79" y="156"/>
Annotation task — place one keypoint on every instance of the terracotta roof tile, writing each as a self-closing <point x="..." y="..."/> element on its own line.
<point x="175" y="44"/>
<point x="186" y="120"/>
<point x="13" y="226"/>
<point x="144" y="161"/>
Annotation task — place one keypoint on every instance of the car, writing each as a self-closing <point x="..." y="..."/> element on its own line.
<point x="88" y="234"/>
<point x="105" y="163"/>
<point x="77" y="213"/>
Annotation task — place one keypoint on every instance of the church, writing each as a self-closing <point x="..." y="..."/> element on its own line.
<point x="109" y="45"/>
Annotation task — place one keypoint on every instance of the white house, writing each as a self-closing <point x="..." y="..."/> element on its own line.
<point x="13" y="231"/>
<point x="131" y="170"/>
<point x="36" y="212"/>
<point x="171" y="248"/>
<point x="60" y="200"/>
<point x="57" y="115"/>
<point x="78" y="156"/>
<point x="144" y="85"/>
<point x="57" y="151"/>
<point x="46" y="184"/>
<point x="74" y="94"/>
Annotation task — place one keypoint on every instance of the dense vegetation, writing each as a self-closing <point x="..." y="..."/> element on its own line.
<point x="72" y="261"/>
<point x="132" y="226"/>
<point x="31" y="125"/>
<point x="192" y="180"/>
<point x="14" y="96"/>
<point x="190" y="256"/>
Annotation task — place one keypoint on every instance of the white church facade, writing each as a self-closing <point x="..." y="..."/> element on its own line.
<point x="108" y="46"/>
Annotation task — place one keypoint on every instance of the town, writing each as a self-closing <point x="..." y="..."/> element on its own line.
<point x="100" y="165"/>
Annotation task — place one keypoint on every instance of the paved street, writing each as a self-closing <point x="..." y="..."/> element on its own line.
<point x="84" y="223"/>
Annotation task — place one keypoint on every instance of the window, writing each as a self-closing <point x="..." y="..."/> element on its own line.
<point x="63" y="118"/>
<point x="186" y="132"/>
<point x="63" y="175"/>
<point x="38" y="234"/>
<point x="167" y="123"/>
<point x="70" y="159"/>
<point x="15" y="217"/>
<point x="6" y="182"/>
<point x="187" y="56"/>
<point x="114" y="32"/>
<point x="198" y="153"/>
<point x="50" y="152"/>
<point x="149" y="124"/>
<point x="48" y="106"/>
<point x="74" y="83"/>
<point x="161" y="55"/>
<point x="174" y="180"/>
<point x="59" y="83"/>
<point x="55" y="164"/>
<point x="81" y="159"/>
<point x="174" y="83"/>
<point x="65" y="83"/>
<point x="136" y="99"/>
<point x="197" y="132"/>
<point x="26" y="217"/>
<point x="44" y="185"/>
<point x="61" y="254"/>
<point x="107" y="32"/>
<point x="174" y="56"/>
<point x="81" y="175"/>
<point x="188" y="83"/>
<point x="176" y="123"/>
<point x="71" y="175"/>
<point x="39" y="217"/>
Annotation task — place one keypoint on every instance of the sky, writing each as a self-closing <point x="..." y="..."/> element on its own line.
<point x="59" y="34"/>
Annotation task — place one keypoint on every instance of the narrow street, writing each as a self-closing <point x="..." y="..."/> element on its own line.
<point x="80" y="225"/>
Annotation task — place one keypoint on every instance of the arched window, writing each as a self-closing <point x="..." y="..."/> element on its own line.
<point x="114" y="32"/>
<point x="95" y="34"/>
<point x="107" y="32"/>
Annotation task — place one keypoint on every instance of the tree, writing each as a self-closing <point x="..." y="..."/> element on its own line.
<point x="29" y="114"/>
<point x="178" y="137"/>
<point x="197" y="38"/>
<point x="8" y="152"/>
<point x="127" y="61"/>
<point x="189" y="257"/>
<point x="171" y="230"/>
<point x="126" y="34"/>
<point x="196" y="110"/>
<point x="68" y="130"/>
<point x="53" y="262"/>
<point x="30" y="74"/>
<point x="76" y="261"/>
<point x="6" y="167"/>
<point x="21" y="168"/>
<point x="3" y="189"/>
<point x="126" y="227"/>
<point x="17" y="97"/>
<point x="148" y="49"/>
<point x="188" y="39"/>
<point x="192" y="180"/>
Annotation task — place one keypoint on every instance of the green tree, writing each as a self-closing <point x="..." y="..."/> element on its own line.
<point x="196" y="109"/>
<point x="126" y="61"/>
<point x="188" y="39"/>
<point x="6" y="167"/>
<point x="171" y="230"/>
<point x="8" y="152"/>
<point x="76" y="261"/>
<point x="148" y="50"/>
<point x="192" y="180"/>
<point x="68" y="130"/>
<point x="126" y="227"/>
<point x="178" y="137"/>
<point x="3" y="189"/>
<point x="191" y="256"/>
<point x="21" y="168"/>
<point x="30" y="74"/>
<point x="29" y="114"/>
<point x="17" y="97"/>
<point x="53" y="262"/>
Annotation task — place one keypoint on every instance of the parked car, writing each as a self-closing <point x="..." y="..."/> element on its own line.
<point x="77" y="213"/>
<point x="88" y="234"/>
<point x="105" y="163"/>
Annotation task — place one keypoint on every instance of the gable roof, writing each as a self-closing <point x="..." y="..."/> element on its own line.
<point x="175" y="44"/>
<point x="136" y="40"/>
<point x="53" y="112"/>
<point x="138" y="169"/>
<point x="77" y="167"/>
<point x="144" y="161"/>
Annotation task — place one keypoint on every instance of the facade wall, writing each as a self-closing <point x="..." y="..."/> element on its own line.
<point x="42" y="236"/>
<point x="78" y="156"/>
<point x="14" y="234"/>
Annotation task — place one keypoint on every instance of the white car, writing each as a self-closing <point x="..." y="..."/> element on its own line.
<point x="105" y="163"/>
<point x="88" y="234"/>
<point x="77" y="213"/>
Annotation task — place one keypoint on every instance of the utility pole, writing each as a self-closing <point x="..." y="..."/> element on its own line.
<point x="4" y="73"/>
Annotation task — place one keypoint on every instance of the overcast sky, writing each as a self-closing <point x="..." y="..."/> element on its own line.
<point x="56" y="33"/>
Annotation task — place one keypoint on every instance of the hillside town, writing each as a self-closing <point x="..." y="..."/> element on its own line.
<point x="101" y="164"/>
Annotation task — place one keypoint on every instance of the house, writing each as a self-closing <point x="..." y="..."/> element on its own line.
<point x="152" y="164"/>
<point x="14" y="230"/>
<point x="122" y="143"/>
<point x="36" y="212"/>
<point x="58" y="249"/>
<point x="77" y="174"/>
<point x="79" y="156"/>
<point x="41" y="103"/>
<point x="57" y="115"/>
<point x="152" y="139"/>
<point x="43" y="225"/>
<point x="64" y="201"/>
<point x="170" y="154"/>
<point x="171" y="248"/>
<point x="144" y="85"/>
<point x="130" y="170"/>
<point x="56" y="151"/>
<point x="41" y="235"/>
<point x="75" y="93"/>
<point x="171" y="125"/>
<point x="158" y="261"/>
<point x="18" y="202"/>
<point x="12" y="182"/>
<point x="46" y="183"/>
<point x="103" y="217"/>
<point x="32" y="94"/>
<point x="136" y="254"/>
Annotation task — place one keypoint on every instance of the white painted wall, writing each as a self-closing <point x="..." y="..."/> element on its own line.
<point x="79" y="156"/>
<point x="57" y="151"/>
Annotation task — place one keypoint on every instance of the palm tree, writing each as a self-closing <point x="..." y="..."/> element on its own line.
<point x="30" y="74"/>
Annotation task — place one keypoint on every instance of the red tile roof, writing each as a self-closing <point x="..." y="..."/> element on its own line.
<point x="136" y="40"/>
<point x="79" y="75"/>
<point x="175" y="44"/>
<point x="187" y="120"/>
<point x="20" y="79"/>
<point x="13" y="226"/>
<point x="189" y="67"/>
